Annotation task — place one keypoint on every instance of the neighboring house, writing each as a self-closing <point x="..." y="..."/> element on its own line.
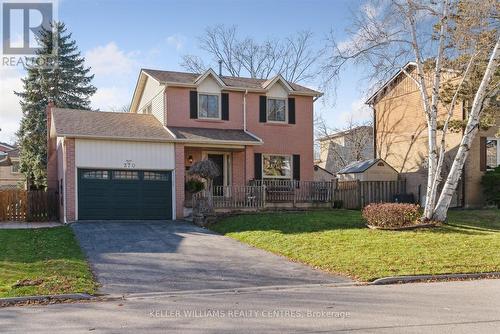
<point x="10" y="176"/>
<point x="401" y="139"/>
<point x="133" y="165"/>
<point x="368" y="170"/>
<point x="321" y="174"/>
<point x="343" y="148"/>
<point x="4" y="147"/>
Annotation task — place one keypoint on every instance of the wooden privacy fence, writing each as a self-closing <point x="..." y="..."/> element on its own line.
<point x="273" y="193"/>
<point x="22" y="205"/>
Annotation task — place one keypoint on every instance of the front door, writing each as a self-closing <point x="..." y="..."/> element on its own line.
<point x="218" y="159"/>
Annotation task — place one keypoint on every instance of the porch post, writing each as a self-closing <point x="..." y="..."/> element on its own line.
<point x="249" y="164"/>
<point x="179" y="180"/>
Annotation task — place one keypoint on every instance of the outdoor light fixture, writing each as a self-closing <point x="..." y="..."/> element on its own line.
<point x="190" y="159"/>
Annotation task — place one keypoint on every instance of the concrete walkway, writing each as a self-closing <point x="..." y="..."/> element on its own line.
<point x="26" y="225"/>
<point x="150" y="257"/>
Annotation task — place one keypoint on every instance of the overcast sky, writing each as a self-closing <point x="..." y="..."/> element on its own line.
<point x="119" y="37"/>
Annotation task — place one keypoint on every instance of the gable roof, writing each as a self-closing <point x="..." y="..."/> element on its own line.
<point x="361" y="166"/>
<point x="372" y="98"/>
<point x="185" y="78"/>
<point x="191" y="80"/>
<point x="111" y="125"/>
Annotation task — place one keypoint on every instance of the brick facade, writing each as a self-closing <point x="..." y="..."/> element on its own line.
<point x="70" y="171"/>
<point x="179" y="180"/>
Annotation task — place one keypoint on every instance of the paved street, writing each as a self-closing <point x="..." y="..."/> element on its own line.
<point x="141" y="257"/>
<point x="451" y="307"/>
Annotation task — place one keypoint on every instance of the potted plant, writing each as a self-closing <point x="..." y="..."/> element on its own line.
<point x="207" y="170"/>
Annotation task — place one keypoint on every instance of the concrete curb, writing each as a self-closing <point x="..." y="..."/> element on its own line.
<point x="51" y="299"/>
<point x="240" y="290"/>
<point x="435" y="278"/>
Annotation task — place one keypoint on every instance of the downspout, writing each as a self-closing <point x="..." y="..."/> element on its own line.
<point x="374" y="128"/>
<point x="64" y="179"/>
<point x="245" y="127"/>
<point x="245" y="110"/>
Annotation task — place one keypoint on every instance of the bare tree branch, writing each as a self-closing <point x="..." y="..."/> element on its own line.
<point x="293" y="57"/>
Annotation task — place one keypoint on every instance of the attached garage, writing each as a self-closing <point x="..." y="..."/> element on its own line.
<point x="124" y="180"/>
<point x="124" y="194"/>
<point x="111" y="166"/>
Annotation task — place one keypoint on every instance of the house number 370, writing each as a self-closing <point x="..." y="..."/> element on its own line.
<point x="129" y="164"/>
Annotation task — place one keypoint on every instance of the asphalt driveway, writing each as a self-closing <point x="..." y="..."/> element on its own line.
<point x="145" y="257"/>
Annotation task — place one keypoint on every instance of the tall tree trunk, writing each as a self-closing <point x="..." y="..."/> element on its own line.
<point x="428" y="110"/>
<point x="443" y="204"/>
<point x="433" y="149"/>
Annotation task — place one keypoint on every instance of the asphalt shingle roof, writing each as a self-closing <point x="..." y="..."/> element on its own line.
<point x="239" y="82"/>
<point x="206" y="134"/>
<point x="96" y="124"/>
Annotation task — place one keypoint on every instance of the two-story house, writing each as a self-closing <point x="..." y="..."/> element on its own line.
<point x="401" y="139"/>
<point x="133" y="165"/>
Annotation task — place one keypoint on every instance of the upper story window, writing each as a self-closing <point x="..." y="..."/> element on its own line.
<point x="492" y="153"/>
<point x="208" y="106"/>
<point x="276" y="110"/>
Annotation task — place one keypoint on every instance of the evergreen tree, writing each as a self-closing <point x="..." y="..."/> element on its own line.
<point x="67" y="83"/>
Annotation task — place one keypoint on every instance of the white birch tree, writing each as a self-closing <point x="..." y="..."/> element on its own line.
<point x="387" y="34"/>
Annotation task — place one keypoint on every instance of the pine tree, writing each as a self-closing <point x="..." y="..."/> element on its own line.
<point x="67" y="83"/>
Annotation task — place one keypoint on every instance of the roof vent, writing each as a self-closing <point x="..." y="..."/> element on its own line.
<point x="220" y="67"/>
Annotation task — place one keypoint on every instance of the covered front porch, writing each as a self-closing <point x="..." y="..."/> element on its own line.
<point x="231" y="150"/>
<point x="233" y="163"/>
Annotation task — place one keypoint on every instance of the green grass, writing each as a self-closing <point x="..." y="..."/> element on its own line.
<point x="50" y="256"/>
<point x="338" y="241"/>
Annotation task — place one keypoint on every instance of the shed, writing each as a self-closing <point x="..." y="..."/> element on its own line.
<point x="368" y="170"/>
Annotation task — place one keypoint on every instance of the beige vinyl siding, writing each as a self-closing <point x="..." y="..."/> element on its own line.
<point x="153" y="95"/>
<point x="124" y="155"/>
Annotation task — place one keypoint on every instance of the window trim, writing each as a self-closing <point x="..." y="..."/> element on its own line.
<point x="219" y="106"/>
<point x="498" y="152"/>
<point x="286" y="109"/>
<point x="290" y="157"/>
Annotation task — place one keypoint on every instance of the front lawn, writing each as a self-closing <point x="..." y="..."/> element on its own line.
<point x="337" y="241"/>
<point x="42" y="261"/>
